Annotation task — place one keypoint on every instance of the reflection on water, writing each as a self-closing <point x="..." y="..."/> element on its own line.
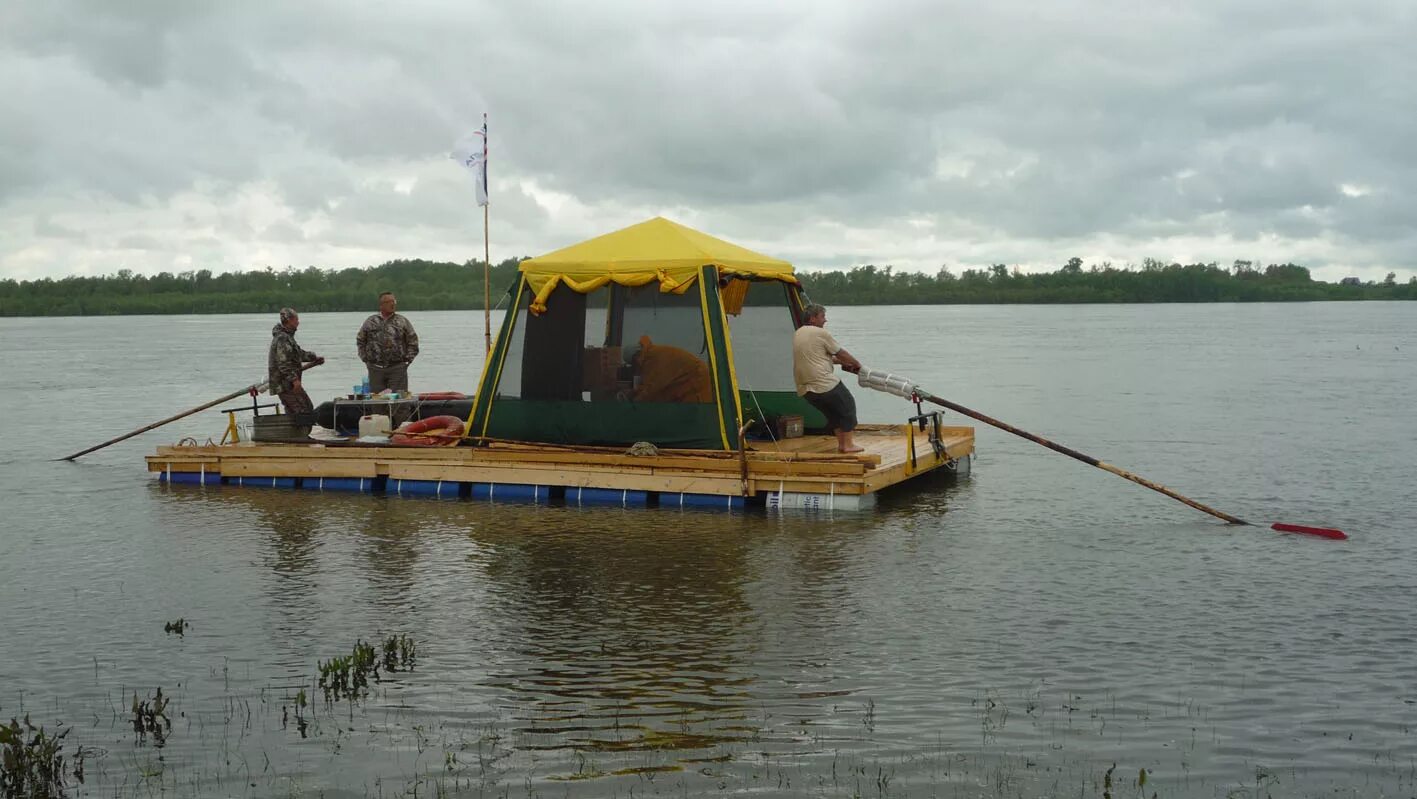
<point x="625" y="641"/>
<point x="1011" y="634"/>
<point x="579" y="631"/>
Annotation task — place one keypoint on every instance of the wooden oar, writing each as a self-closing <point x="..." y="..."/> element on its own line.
<point x="233" y="395"/>
<point x="1323" y="532"/>
<point x="903" y="387"/>
<point x="1088" y="459"/>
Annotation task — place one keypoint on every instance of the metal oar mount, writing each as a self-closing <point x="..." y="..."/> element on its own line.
<point x="889" y="383"/>
<point x="904" y="387"/>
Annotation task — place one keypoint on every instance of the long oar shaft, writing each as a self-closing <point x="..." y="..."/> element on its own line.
<point x="233" y="395"/>
<point x="1088" y="459"/>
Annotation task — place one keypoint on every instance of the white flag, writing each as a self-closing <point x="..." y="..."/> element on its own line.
<point x="472" y="153"/>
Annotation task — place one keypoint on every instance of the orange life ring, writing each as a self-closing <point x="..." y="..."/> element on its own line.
<point x="442" y="395"/>
<point x="435" y="431"/>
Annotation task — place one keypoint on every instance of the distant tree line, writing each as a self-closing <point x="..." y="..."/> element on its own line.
<point x="420" y="285"/>
<point x="1155" y="281"/>
<point x="433" y="285"/>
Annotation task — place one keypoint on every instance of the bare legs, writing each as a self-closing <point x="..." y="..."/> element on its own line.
<point x="845" y="444"/>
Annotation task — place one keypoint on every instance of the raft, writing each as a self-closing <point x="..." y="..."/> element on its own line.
<point x="803" y="472"/>
<point x="649" y="367"/>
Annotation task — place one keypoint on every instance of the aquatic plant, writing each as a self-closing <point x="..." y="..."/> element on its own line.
<point x="348" y="676"/>
<point x="150" y="717"/>
<point x="336" y="678"/>
<point x="32" y="762"/>
<point x="400" y="652"/>
<point x="301" y="723"/>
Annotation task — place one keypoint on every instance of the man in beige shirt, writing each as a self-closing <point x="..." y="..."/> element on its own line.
<point x="814" y="356"/>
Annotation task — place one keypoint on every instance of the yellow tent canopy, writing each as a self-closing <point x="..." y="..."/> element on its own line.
<point x="656" y="249"/>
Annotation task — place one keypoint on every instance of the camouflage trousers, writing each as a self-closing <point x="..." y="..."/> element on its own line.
<point x="296" y="401"/>
<point x="394" y="378"/>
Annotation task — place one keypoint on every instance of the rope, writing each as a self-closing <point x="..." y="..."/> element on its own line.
<point x="771" y="436"/>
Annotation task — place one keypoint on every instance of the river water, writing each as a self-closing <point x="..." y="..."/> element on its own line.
<point x="1014" y="633"/>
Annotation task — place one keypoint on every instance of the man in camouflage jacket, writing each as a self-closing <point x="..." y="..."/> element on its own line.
<point x="387" y="345"/>
<point x="283" y="364"/>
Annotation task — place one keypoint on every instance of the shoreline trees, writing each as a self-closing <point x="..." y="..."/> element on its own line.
<point x="432" y="285"/>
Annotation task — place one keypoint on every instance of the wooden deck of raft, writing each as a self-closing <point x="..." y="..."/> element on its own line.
<point x="803" y="465"/>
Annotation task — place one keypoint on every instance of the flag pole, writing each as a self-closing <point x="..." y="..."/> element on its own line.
<point x="486" y="255"/>
<point x="486" y="284"/>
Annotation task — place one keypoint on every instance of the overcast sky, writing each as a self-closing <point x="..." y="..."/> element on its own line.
<point x="176" y="135"/>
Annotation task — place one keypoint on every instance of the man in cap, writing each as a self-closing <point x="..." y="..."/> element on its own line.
<point x="283" y="363"/>
<point x="387" y="345"/>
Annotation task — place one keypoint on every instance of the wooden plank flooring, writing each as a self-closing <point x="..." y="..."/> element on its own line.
<point x="808" y="464"/>
<point x="886" y="446"/>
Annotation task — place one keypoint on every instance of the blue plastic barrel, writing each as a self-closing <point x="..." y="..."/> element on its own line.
<point x="511" y="492"/>
<point x="606" y="496"/>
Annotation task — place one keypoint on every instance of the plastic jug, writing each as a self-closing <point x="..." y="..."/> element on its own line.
<point x="375" y="425"/>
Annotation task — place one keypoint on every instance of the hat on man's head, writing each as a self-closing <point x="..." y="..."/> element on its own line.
<point x="287" y="314"/>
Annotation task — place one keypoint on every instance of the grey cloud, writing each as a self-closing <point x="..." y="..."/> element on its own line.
<point x="46" y="228"/>
<point x="1016" y="130"/>
<point x="139" y="241"/>
<point x="282" y="232"/>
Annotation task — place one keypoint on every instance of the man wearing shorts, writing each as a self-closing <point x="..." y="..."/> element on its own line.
<point x="814" y="356"/>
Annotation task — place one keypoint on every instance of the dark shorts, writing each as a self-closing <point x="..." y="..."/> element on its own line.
<point x="837" y="405"/>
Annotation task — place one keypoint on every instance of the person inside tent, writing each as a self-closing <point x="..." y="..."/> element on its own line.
<point x="669" y="374"/>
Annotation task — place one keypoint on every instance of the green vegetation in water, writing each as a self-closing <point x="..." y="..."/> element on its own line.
<point x="400" y="653"/>
<point x="348" y="676"/>
<point x="32" y="762"/>
<point x="301" y="723"/>
<point x="432" y="285"/>
<point x="150" y="718"/>
<point x="453" y="759"/>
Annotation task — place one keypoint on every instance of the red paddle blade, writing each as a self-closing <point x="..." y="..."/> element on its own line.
<point x="1321" y="532"/>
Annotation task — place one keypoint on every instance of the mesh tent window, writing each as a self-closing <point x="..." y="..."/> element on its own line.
<point x="762" y="331"/>
<point x="612" y="367"/>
